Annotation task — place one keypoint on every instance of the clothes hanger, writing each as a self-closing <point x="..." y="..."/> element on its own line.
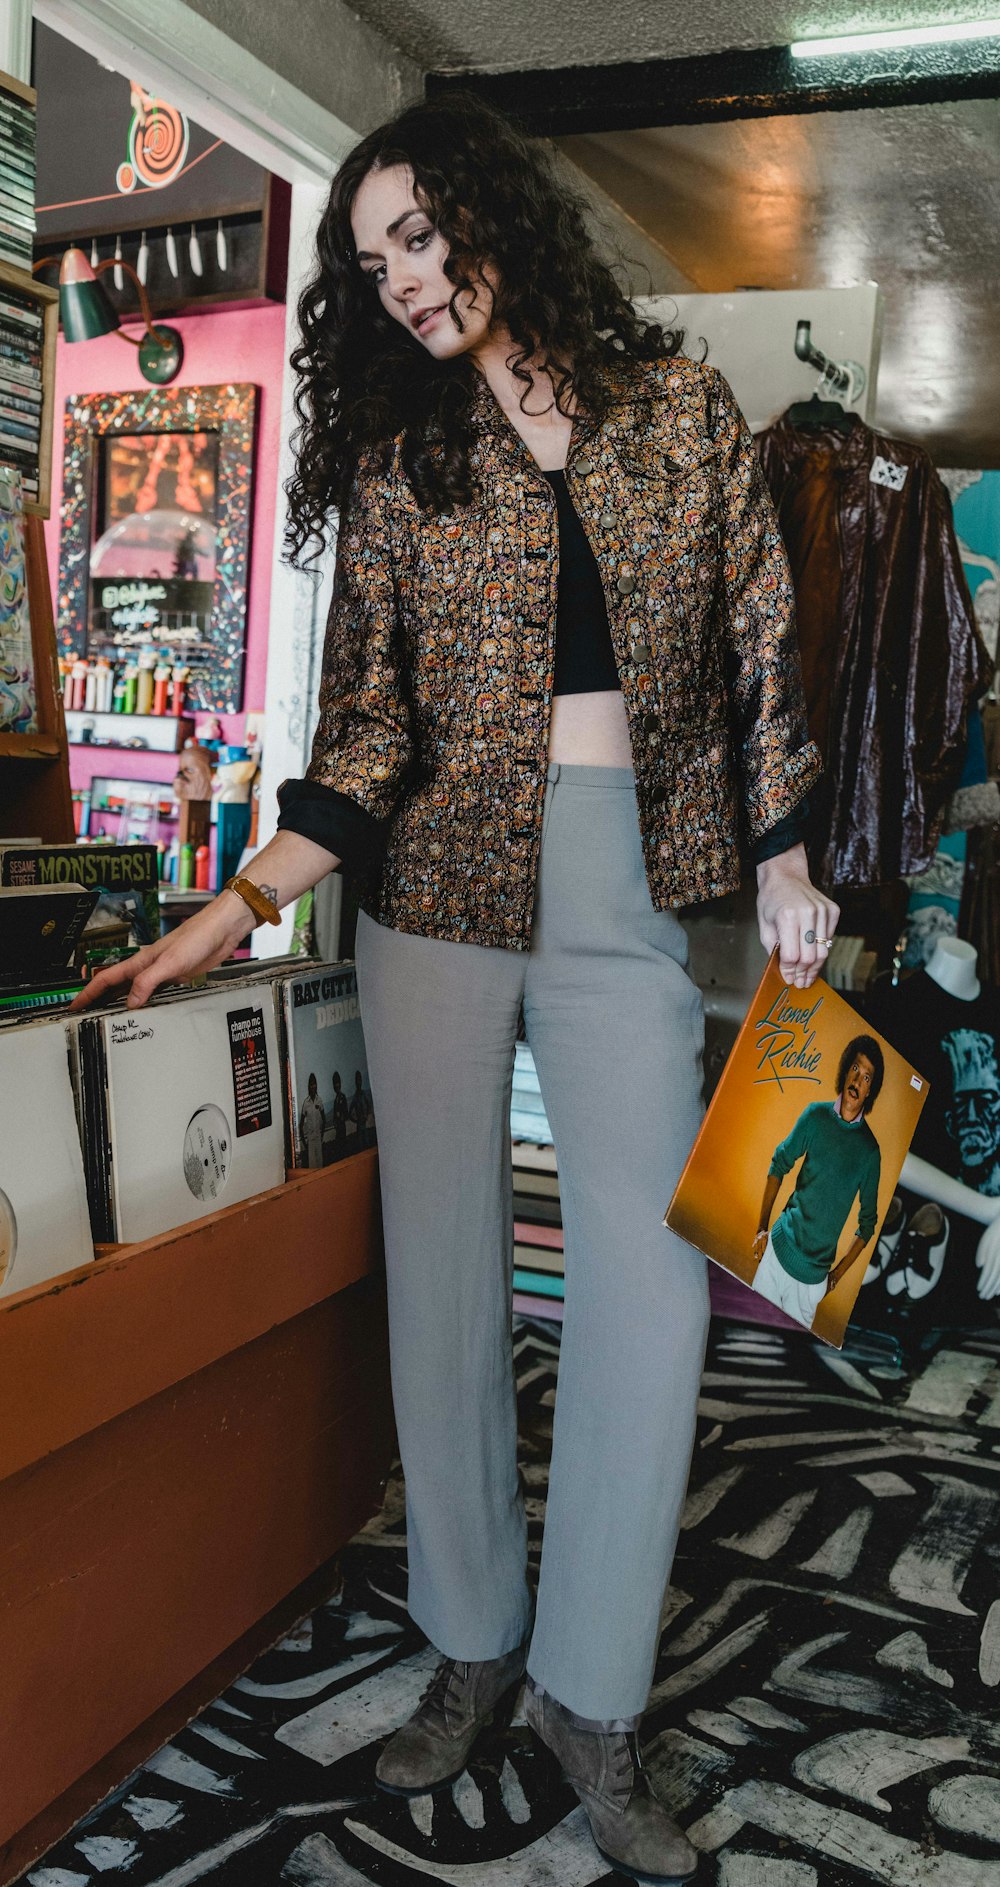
<point x="806" y="415"/>
<point x="845" y="379"/>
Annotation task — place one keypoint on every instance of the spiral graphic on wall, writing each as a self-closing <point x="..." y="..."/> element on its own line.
<point x="157" y="143"/>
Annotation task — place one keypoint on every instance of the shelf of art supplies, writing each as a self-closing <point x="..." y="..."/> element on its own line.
<point x="217" y="1397"/>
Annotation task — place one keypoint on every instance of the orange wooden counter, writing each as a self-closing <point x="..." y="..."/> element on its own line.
<point x="190" y="1429"/>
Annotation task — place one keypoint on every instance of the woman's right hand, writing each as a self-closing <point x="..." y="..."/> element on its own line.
<point x="196" y="945"/>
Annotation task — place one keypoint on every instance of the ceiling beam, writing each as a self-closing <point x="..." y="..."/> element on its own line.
<point x="765" y="83"/>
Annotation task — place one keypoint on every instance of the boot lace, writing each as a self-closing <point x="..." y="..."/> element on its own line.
<point x="444" y="1688"/>
<point x="627" y="1775"/>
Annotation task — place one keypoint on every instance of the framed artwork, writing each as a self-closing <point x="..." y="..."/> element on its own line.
<point x="155" y="544"/>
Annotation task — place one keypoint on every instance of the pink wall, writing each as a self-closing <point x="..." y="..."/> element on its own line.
<point x="228" y="344"/>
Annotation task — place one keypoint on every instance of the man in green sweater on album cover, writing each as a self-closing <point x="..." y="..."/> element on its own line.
<point x="841" y="1163"/>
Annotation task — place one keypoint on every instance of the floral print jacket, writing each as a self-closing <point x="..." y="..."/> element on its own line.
<point x="438" y="665"/>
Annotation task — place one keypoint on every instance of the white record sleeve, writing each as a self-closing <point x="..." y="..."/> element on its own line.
<point x="194" y="1107"/>
<point x="44" y="1222"/>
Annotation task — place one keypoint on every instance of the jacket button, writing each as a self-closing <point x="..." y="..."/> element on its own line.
<point x="584" y="466"/>
<point x="640" y="652"/>
<point x="435" y="849"/>
<point x="608" y="520"/>
<point x="650" y="723"/>
<point x="658" y="793"/>
<point x="625" y="586"/>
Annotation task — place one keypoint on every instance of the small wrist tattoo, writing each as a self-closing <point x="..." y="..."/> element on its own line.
<point x="270" y="891"/>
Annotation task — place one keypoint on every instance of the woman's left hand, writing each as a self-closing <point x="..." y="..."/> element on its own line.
<point x="795" y="916"/>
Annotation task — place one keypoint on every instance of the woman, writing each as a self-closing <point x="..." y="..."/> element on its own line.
<point x="560" y="677"/>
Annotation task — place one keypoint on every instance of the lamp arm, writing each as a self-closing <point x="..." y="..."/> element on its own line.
<point x="110" y="262"/>
<point x="45" y="262"/>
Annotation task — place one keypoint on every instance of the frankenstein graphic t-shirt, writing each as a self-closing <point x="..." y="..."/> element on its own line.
<point x="841" y="1163"/>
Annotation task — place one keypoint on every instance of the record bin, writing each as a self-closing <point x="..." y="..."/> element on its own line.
<point x="190" y="1430"/>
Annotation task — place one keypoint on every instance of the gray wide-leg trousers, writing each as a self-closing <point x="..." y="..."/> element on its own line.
<point x="616" y="1028"/>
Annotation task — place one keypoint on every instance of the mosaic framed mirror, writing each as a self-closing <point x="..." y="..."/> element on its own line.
<point x="155" y="543"/>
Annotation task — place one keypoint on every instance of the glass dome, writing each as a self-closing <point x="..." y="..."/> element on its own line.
<point x="158" y="545"/>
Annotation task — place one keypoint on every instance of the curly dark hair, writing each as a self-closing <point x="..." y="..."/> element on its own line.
<point x="496" y="197"/>
<point x="863" y="1045"/>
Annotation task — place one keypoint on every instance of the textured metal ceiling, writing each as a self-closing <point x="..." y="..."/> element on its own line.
<point x="906" y="198"/>
<point x="510" y="35"/>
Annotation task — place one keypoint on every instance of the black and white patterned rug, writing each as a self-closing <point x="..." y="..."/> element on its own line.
<point x="824" y="1711"/>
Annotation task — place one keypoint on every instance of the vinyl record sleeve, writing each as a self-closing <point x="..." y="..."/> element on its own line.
<point x="329" y="1111"/>
<point x="125" y="877"/>
<point x="194" y="1119"/>
<point x="785" y="1110"/>
<point x="44" y="1223"/>
<point x="40" y="927"/>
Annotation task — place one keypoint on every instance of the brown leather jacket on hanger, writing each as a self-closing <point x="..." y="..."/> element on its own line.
<point x="891" y="655"/>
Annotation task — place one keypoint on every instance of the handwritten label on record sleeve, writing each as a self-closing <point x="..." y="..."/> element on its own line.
<point x="208" y="1152"/>
<point x="251" y="1083"/>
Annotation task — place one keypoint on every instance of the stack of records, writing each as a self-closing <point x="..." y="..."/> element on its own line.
<point x="44" y="1225"/>
<point x="180" y="1107"/>
<point x="329" y="1111"/>
<point x="538" y="1232"/>
<point x="527" y="1109"/>
<point x="41" y="926"/>
<point x="17" y="179"/>
<point x="21" y="337"/>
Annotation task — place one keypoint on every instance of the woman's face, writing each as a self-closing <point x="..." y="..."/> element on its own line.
<point x="403" y="257"/>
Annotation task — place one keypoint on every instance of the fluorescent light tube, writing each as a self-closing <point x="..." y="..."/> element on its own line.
<point x="901" y="36"/>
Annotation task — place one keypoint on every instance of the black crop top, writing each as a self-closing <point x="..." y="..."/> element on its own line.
<point x="585" y="657"/>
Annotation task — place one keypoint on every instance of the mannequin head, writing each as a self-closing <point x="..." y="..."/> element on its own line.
<point x="953" y="966"/>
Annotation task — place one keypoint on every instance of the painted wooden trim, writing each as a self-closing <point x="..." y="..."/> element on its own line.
<point x="170" y="48"/>
<point x="299" y="599"/>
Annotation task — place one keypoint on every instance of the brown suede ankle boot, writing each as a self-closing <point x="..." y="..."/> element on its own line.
<point x="631" y="1828"/>
<point x="432" y="1748"/>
